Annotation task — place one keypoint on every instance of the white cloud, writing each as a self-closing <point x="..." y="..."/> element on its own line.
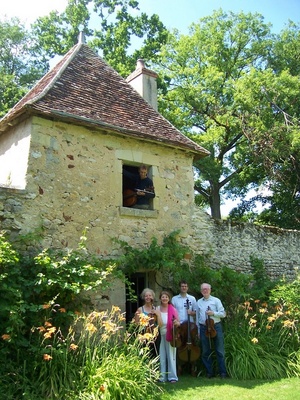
<point x="29" y="10"/>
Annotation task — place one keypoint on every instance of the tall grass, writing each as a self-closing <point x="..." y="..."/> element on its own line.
<point x="97" y="359"/>
<point x="262" y="342"/>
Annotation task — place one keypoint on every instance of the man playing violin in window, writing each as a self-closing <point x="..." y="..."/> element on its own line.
<point x="143" y="189"/>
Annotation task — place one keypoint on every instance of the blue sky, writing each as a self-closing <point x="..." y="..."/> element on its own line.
<point x="174" y="13"/>
<point x="181" y="13"/>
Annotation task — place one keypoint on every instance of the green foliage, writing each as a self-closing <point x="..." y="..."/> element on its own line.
<point x="96" y="359"/>
<point x="66" y="275"/>
<point x="261" y="284"/>
<point x="154" y="257"/>
<point x="229" y="90"/>
<point x="21" y="63"/>
<point x="169" y="259"/>
<point x="51" y="282"/>
<point x="8" y="256"/>
<point x="262" y="341"/>
<point x="227" y="284"/>
<point x="118" y="24"/>
<point x="287" y="294"/>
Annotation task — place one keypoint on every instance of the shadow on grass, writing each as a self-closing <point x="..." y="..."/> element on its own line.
<point x="189" y="382"/>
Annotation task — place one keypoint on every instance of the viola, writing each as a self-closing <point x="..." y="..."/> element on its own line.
<point x="210" y="331"/>
<point x="130" y="196"/>
<point x="176" y="342"/>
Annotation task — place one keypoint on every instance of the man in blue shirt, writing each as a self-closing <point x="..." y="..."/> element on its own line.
<point x="143" y="189"/>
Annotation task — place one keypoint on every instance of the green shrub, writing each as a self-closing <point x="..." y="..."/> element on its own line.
<point x="262" y="284"/>
<point x="98" y="359"/>
<point x="288" y="295"/>
<point x="49" y="351"/>
<point x="262" y="341"/>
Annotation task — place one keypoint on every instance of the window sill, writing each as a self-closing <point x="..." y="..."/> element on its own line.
<point x="135" y="212"/>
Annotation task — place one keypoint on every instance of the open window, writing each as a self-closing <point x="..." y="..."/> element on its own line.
<point x="133" y="181"/>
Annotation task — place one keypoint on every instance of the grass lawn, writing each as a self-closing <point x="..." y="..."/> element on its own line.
<point x="231" y="389"/>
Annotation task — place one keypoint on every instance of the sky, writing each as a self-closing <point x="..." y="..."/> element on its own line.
<point x="179" y="14"/>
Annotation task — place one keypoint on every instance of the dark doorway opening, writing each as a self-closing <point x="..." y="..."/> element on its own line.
<point x="139" y="282"/>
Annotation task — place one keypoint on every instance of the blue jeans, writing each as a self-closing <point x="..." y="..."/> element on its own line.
<point x="216" y="343"/>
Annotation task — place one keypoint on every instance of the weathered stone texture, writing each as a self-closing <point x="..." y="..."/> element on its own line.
<point x="74" y="180"/>
<point x="232" y="245"/>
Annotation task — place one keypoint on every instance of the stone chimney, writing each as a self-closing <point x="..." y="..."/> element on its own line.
<point x="81" y="37"/>
<point x="143" y="80"/>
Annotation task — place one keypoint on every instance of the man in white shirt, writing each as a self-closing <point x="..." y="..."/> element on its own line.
<point x="186" y="306"/>
<point x="210" y="309"/>
<point x="184" y="303"/>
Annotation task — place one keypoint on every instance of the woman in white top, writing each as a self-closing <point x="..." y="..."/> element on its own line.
<point x="167" y="316"/>
<point x="147" y="308"/>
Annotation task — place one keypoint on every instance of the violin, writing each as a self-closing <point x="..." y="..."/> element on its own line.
<point x="152" y="323"/>
<point x="210" y="331"/>
<point x="153" y="319"/>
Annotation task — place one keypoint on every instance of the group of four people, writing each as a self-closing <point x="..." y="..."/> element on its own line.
<point x="173" y="313"/>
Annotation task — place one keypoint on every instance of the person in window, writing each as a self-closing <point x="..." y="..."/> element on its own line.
<point x="143" y="190"/>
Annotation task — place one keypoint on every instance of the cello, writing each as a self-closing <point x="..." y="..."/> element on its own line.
<point x="189" y="352"/>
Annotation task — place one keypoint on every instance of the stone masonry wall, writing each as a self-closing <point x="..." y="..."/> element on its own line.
<point x="74" y="180"/>
<point x="225" y="243"/>
<point x="232" y="245"/>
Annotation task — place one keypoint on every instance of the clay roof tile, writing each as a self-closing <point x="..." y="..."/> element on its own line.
<point x="83" y="89"/>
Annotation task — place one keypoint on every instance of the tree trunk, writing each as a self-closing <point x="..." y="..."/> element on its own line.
<point x="215" y="202"/>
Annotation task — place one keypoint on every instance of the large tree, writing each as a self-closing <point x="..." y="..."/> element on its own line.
<point x="225" y="94"/>
<point x="117" y="29"/>
<point x="21" y="63"/>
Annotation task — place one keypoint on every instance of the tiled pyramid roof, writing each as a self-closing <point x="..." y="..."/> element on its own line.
<point x="83" y="89"/>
